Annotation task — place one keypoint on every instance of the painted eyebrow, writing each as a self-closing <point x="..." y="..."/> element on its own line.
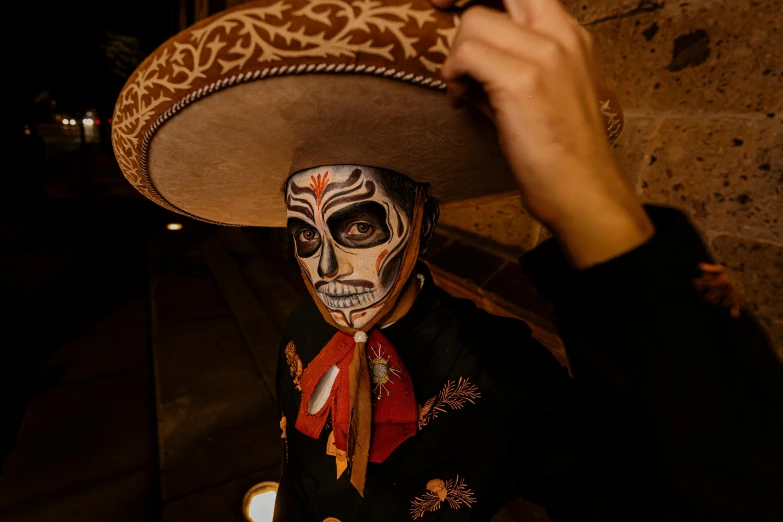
<point x="368" y="193"/>
<point x="366" y="208"/>
<point x="296" y="189"/>
<point x="352" y="179"/>
<point x="307" y="210"/>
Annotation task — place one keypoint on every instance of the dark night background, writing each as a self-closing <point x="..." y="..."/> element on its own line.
<point x="77" y="53"/>
<point x="79" y="253"/>
<point x="67" y="245"/>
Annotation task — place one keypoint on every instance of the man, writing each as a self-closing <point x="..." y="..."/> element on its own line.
<point x="651" y="428"/>
<point x="398" y="401"/>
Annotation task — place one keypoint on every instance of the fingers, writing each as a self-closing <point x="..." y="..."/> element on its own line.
<point x="481" y="62"/>
<point x="709" y="267"/>
<point x="508" y="60"/>
<point x="545" y="16"/>
<point x="535" y="12"/>
<point x="517" y="11"/>
<point x="550" y="18"/>
<point x="497" y="30"/>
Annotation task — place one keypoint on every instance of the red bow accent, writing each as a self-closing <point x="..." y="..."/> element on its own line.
<point x="394" y="414"/>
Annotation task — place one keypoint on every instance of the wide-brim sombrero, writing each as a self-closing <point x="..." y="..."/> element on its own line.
<point x="213" y="123"/>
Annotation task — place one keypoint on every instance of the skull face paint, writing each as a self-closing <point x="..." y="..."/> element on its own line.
<point x="350" y="227"/>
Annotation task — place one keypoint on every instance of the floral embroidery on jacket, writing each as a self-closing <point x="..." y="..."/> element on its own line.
<point x="453" y="395"/>
<point x="294" y="364"/>
<point x="453" y="491"/>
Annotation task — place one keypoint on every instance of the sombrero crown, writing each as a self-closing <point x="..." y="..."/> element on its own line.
<point x="214" y="121"/>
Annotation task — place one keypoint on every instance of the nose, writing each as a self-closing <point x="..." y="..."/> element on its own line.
<point x="327" y="266"/>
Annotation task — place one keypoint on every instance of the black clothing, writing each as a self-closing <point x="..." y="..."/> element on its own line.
<point x="675" y="412"/>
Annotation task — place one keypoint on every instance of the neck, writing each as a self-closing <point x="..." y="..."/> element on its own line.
<point x="404" y="302"/>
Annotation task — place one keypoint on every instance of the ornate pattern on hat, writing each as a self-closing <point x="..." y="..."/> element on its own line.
<point x="404" y="40"/>
<point x="245" y="43"/>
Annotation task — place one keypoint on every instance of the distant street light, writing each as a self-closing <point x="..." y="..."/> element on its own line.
<point x="174" y="226"/>
<point x="259" y="502"/>
<point x="72" y="121"/>
<point x="65" y="121"/>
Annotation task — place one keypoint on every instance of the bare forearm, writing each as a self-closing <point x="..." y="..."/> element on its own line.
<point x="602" y="227"/>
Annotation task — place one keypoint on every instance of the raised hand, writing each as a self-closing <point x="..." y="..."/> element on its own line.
<point x="535" y="72"/>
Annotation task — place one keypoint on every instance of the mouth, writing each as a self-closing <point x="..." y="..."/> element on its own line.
<point x="336" y="295"/>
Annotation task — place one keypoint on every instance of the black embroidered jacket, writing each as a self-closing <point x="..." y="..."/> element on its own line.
<point x="675" y="412"/>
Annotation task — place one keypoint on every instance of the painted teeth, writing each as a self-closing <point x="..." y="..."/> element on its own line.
<point x="346" y="300"/>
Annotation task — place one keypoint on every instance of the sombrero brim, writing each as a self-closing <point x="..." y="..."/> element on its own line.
<point x="227" y="158"/>
<point x="221" y="148"/>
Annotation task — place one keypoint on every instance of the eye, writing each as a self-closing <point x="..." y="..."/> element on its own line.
<point x="361" y="225"/>
<point x="307" y="235"/>
<point x="359" y="229"/>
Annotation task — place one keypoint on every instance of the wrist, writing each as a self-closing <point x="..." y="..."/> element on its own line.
<point x="601" y="230"/>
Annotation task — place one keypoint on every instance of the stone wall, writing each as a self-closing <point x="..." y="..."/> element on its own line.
<point x="701" y="83"/>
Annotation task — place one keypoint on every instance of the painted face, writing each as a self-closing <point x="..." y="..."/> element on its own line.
<point x="350" y="232"/>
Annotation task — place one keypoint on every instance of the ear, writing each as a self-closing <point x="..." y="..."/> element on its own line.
<point x="428" y="222"/>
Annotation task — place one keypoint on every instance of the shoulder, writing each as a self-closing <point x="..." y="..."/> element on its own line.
<point x="479" y="327"/>
<point x="504" y="346"/>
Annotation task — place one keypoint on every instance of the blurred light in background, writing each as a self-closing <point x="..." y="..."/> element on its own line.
<point x="65" y="121"/>
<point x="174" y="226"/>
<point x="87" y="121"/>
<point x="72" y="121"/>
<point x="259" y="502"/>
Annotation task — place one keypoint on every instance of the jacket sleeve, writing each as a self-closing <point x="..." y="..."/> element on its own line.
<point x="684" y="402"/>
